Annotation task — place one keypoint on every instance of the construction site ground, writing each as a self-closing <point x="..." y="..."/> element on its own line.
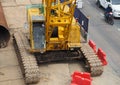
<point x="56" y="73"/>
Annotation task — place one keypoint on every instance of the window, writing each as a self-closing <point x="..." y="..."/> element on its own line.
<point x="108" y="0"/>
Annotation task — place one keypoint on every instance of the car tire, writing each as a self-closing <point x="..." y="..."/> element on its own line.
<point x="98" y="3"/>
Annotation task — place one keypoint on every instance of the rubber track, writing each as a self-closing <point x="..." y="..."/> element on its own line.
<point x="92" y="60"/>
<point x="28" y="61"/>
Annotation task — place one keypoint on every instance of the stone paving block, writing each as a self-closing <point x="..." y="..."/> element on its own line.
<point x="15" y="16"/>
<point x="10" y="73"/>
<point x="36" y="1"/>
<point x="13" y="82"/>
<point x="8" y="2"/>
<point x="22" y="2"/>
<point x="54" y="73"/>
<point x="76" y="66"/>
<point x="8" y="56"/>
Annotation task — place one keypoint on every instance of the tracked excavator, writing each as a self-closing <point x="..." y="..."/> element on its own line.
<point x="54" y="34"/>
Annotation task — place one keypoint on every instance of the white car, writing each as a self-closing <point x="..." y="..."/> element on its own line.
<point x="115" y="4"/>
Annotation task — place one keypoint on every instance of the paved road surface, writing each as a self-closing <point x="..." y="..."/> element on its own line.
<point x="105" y="35"/>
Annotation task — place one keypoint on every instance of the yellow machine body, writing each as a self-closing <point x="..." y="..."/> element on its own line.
<point x="54" y="35"/>
<point x="60" y="29"/>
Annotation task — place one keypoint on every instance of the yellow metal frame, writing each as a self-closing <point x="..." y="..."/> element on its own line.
<point x="62" y="18"/>
<point x="67" y="27"/>
<point x="32" y="12"/>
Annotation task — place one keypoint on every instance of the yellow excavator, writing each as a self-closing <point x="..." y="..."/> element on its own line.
<point x="54" y="34"/>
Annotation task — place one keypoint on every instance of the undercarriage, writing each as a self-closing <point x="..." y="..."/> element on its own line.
<point x="29" y="62"/>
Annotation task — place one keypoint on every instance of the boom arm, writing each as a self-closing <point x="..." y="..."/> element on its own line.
<point x="56" y="16"/>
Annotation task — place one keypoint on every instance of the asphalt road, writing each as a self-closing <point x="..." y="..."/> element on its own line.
<point x="104" y="35"/>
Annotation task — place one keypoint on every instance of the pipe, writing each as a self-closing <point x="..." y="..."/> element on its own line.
<point x="4" y="32"/>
